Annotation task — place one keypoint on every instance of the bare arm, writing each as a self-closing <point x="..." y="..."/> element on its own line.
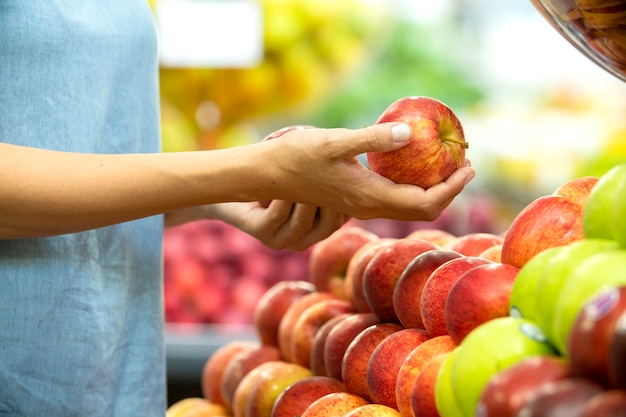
<point x="46" y="192"/>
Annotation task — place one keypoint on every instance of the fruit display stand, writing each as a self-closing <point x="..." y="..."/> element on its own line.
<point x="214" y="275"/>
<point x="206" y="319"/>
<point x="489" y="319"/>
<point x="188" y="346"/>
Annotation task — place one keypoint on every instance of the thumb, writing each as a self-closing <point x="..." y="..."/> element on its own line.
<point x="381" y="137"/>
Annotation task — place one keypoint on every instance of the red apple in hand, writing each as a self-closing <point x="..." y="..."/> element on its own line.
<point x="437" y="148"/>
<point x="330" y="257"/>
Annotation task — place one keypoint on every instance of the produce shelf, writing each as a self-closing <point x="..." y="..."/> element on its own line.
<point x="188" y="346"/>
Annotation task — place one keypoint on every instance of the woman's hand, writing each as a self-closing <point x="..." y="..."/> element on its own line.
<point x="281" y="225"/>
<point x="320" y="167"/>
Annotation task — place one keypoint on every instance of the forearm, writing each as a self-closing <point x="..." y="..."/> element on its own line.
<point x="46" y="192"/>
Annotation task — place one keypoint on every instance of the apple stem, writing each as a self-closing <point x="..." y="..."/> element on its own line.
<point x="461" y="142"/>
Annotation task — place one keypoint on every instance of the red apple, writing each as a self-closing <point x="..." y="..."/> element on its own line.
<point x="565" y="397"/>
<point x="317" y="363"/>
<point x="577" y="189"/>
<point x="413" y="366"/>
<point x="273" y="304"/>
<point x="408" y="290"/>
<point x="356" y="268"/>
<point x="473" y="244"/>
<point x="437" y="148"/>
<point x="437" y="236"/>
<point x="196" y="406"/>
<point x="267" y="386"/>
<point x="214" y="367"/>
<point x="293" y="313"/>
<point x="298" y="396"/>
<point x="334" y="404"/>
<point x="479" y="295"/>
<point x="385" y="363"/>
<point x="493" y="253"/>
<point x="509" y="390"/>
<point x="358" y="353"/>
<point x="339" y="338"/>
<point x="384" y="270"/>
<point x="422" y="390"/>
<point x="309" y="323"/>
<point x="617" y="355"/>
<point x="329" y="258"/>
<point x="437" y="288"/>
<point x="593" y="331"/>
<point x="546" y="222"/>
<point x="284" y="373"/>
<point x="373" y="410"/>
<point x="609" y="403"/>
<point x="242" y="393"/>
<point x="242" y="363"/>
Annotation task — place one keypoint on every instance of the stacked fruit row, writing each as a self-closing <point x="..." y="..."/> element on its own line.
<point x="528" y="323"/>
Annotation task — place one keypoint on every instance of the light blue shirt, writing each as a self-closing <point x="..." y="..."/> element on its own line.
<point x="81" y="316"/>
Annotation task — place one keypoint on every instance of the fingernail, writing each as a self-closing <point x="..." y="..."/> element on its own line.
<point x="469" y="177"/>
<point x="401" y="133"/>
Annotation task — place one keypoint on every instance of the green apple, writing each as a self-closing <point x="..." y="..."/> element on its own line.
<point x="490" y="348"/>
<point x="597" y="273"/>
<point x="557" y="271"/>
<point x="619" y="216"/>
<point x="598" y="211"/>
<point x="522" y="301"/>
<point x="445" y="400"/>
